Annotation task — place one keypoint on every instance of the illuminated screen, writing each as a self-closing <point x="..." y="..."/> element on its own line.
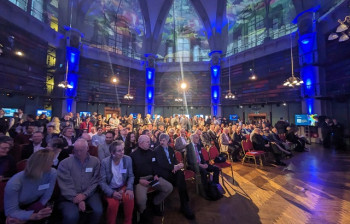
<point x="313" y="119"/>
<point x="9" y="111"/>
<point x="47" y="112"/>
<point x="85" y="114"/>
<point x="234" y="117"/>
<point x="301" y="119"/>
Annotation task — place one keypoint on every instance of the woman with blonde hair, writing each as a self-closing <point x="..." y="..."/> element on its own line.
<point x="27" y="192"/>
<point x="55" y="121"/>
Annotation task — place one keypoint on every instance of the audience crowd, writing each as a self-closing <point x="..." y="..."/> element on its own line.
<point x="120" y="160"/>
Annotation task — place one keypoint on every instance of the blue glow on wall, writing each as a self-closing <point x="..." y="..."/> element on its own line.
<point x="149" y="109"/>
<point x="149" y="76"/>
<point x="150" y="94"/>
<point x="310" y="105"/>
<point x="308" y="83"/>
<point x="69" y="103"/>
<point x="215" y="94"/>
<point x="215" y="110"/>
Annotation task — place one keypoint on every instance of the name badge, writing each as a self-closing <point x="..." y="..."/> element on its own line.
<point x="88" y="170"/>
<point x="123" y="171"/>
<point x="153" y="159"/>
<point x="43" y="187"/>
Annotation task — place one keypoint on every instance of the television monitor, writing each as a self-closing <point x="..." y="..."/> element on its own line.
<point x="313" y="119"/>
<point x="234" y="117"/>
<point x="154" y="116"/>
<point x="85" y="113"/>
<point x="301" y="119"/>
<point x="47" y="112"/>
<point x="9" y="111"/>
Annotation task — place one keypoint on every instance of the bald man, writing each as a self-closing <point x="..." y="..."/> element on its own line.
<point x="145" y="171"/>
<point x="78" y="177"/>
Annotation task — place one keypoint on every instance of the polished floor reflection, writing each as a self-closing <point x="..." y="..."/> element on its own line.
<point x="313" y="188"/>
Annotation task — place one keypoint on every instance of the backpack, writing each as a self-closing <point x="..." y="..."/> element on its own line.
<point x="213" y="193"/>
<point x="221" y="158"/>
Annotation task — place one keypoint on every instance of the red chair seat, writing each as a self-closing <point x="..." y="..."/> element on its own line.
<point x="189" y="174"/>
<point x="254" y="153"/>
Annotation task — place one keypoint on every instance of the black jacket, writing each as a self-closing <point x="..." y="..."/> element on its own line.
<point x="163" y="167"/>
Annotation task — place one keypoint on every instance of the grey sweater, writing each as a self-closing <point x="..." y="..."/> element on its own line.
<point x="21" y="190"/>
<point x="75" y="177"/>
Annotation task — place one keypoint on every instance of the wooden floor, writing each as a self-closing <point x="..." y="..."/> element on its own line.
<point x="314" y="187"/>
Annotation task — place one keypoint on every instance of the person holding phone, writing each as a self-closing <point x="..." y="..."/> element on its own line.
<point x="145" y="171"/>
<point x="28" y="192"/>
<point x="171" y="171"/>
<point x="117" y="180"/>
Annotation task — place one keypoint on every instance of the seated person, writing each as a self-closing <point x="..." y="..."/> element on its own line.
<point x="117" y="183"/>
<point x="262" y="144"/>
<point x="68" y="138"/>
<point x="56" y="145"/>
<point x="103" y="149"/>
<point x="233" y="149"/>
<point x="274" y="138"/>
<point x="170" y="170"/>
<point x="293" y="138"/>
<point x="197" y="163"/>
<point x="78" y="178"/>
<point x="7" y="162"/>
<point x="181" y="141"/>
<point x="27" y="192"/>
<point x="35" y="145"/>
<point x="145" y="171"/>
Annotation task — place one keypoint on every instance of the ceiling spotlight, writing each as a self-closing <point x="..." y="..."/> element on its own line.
<point x="114" y="79"/>
<point x="183" y="85"/>
<point x="19" y="53"/>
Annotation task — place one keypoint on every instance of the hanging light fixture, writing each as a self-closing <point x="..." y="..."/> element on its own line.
<point x="229" y="95"/>
<point x="128" y="96"/>
<point x="292" y="81"/>
<point x="253" y="76"/>
<point x="64" y="84"/>
<point x="343" y="28"/>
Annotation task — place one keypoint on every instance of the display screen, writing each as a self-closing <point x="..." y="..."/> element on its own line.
<point x="306" y="119"/>
<point x="313" y="119"/>
<point x="234" y="117"/>
<point x="9" y="111"/>
<point x="301" y="119"/>
<point x="85" y="114"/>
<point x="47" y="112"/>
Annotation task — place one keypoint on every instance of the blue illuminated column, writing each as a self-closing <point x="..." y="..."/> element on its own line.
<point x="309" y="59"/>
<point x="150" y="81"/>
<point x="215" y="72"/>
<point x="73" y="43"/>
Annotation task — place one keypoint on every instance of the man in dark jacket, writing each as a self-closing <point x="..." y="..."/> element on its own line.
<point x="170" y="170"/>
